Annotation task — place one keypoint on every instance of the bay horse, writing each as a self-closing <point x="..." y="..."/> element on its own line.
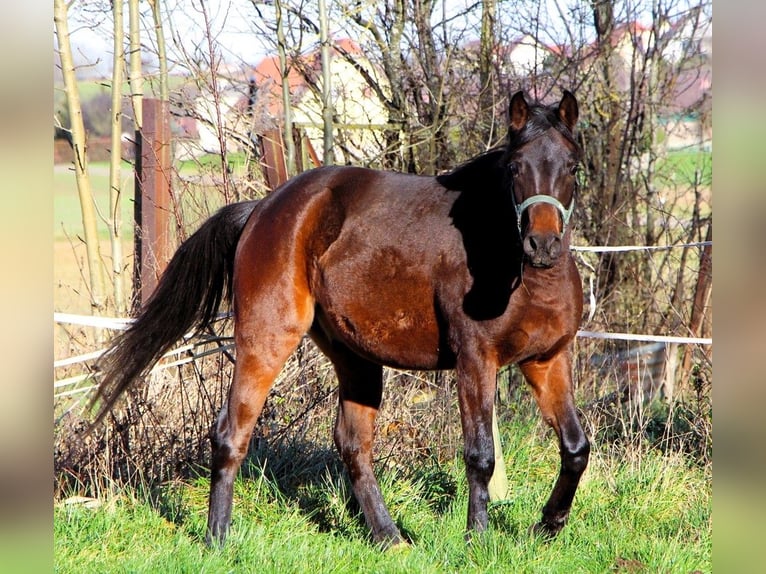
<point x="470" y="270"/>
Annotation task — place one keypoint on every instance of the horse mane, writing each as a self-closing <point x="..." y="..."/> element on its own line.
<point x="481" y="171"/>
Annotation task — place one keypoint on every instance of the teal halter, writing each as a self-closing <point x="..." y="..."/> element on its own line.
<point x="566" y="212"/>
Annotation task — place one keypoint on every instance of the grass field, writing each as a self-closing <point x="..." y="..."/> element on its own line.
<point x="67" y="218"/>
<point x="636" y="511"/>
<point x="683" y="168"/>
<point x="70" y="283"/>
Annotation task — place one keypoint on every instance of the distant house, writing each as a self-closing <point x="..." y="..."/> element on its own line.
<point x="359" y="114"/>
<point x="523" y="57"/>
<point x="689" y="34"/>
<point x="684" y="110"/>
<point x="687" y="118"/>
<point x="249" y="103"/>
<point x="204" y="118"/>
<point x="527" y="56"/>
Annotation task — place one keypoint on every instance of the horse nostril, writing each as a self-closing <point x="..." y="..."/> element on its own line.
<point x="530" y="245"/>
<point x="554" y="249"/>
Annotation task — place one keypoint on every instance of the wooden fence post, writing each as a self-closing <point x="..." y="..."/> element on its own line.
<point x="273" y="154"/>
<point x="152" y="199"/>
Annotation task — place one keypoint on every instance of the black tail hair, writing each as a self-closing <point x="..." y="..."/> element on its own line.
<point x="188" y="296"/>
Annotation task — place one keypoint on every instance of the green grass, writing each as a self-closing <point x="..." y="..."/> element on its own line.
<point x="638" y="511"/>
<point x="67" y="216"/>
<point x="67" y="220"/>
<point x="683" y="168"/>
<point x="91" y="88"/>
<point x="211" y="163"/>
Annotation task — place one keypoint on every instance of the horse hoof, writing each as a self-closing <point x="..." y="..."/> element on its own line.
<point x="214" y="542"/>
<point x="545" y="531"/>
<point x="215" y="538"/>
<point x="391" y="542"/>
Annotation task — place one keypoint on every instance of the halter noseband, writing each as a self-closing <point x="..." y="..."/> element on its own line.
<point x="566" y="212"/>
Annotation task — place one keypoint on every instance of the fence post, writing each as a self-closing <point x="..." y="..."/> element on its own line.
<point x="152" y="199"/>
<point x="273" y="154"/>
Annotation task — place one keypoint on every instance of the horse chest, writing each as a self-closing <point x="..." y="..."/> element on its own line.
<point x="538" y="326"/>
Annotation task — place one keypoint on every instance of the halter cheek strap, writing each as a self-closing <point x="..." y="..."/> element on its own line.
<point x="566" y="212"/>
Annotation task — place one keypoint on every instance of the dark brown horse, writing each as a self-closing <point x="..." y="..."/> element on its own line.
<point x="470" y="271"/>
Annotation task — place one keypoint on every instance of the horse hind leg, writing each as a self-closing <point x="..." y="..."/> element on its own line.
<point x="256" y="369"/>
<point x="551" y="384"/>
<point x="360" y="389"/>
<point x="354" y="433"/>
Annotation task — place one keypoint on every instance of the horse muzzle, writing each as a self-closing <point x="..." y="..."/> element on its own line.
<point x="542" y="249"/>
<point x="542" y="242"/>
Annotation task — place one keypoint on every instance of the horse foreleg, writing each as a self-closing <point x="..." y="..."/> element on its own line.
<point x="551" y="383"/>
<point x="476" y="396"/>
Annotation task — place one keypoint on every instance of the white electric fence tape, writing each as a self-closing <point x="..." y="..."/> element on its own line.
<point x="119" y="323"/>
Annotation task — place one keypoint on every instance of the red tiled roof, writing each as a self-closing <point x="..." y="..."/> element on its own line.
<point x="267" y="76"/>
<point x="267" y="73"/>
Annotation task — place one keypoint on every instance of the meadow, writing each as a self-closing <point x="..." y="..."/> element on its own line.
<point x="67" y="221"/>
<point x="637" y="510"/>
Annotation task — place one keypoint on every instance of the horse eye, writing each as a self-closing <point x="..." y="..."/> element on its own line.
<point x="513" y="169"/>
<point x="575" y="169"/>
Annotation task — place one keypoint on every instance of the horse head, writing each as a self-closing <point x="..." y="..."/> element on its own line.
<point x="541" y="163"/>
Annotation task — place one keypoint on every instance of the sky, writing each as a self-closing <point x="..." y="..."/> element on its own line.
<point x="234" y="23"/>
<point x="231" y="22"/>
<point x="235" y="26"/>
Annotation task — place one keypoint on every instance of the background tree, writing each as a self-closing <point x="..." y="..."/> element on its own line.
<point x="328" y="154"/>
<point x="284" y="67"/>
<point x="115" y="159"/>
<point x="487" y="50"/>
<point x="87" y="206"/>
<point x="383" y="24"/>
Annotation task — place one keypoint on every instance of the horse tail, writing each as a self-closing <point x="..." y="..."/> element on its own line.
<point x="188" y="296"/>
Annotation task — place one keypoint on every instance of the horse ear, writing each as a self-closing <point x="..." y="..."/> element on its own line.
<point x="518" y="111"/>
<point x="568" y="111"/>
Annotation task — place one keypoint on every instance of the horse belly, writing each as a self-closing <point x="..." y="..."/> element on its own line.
<point x="381" y="305"/>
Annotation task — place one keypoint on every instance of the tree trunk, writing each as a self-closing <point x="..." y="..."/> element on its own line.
<point x="161" y="50"/>
<point x="487" y="89"/>
<point x="115" y="158"/>
<point x="136" y="83"/>
<point x="135" y="76"/>
<point x="388" y="39"/>
<point x="284" y="71"/>
<point x="607" y="148"/>
<point x="87" y="204"/>
<point x="432" y="107"/>
<point x="328" y="156"/>
<point x="701" y="298"/>
<point x="219" y="119"/>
